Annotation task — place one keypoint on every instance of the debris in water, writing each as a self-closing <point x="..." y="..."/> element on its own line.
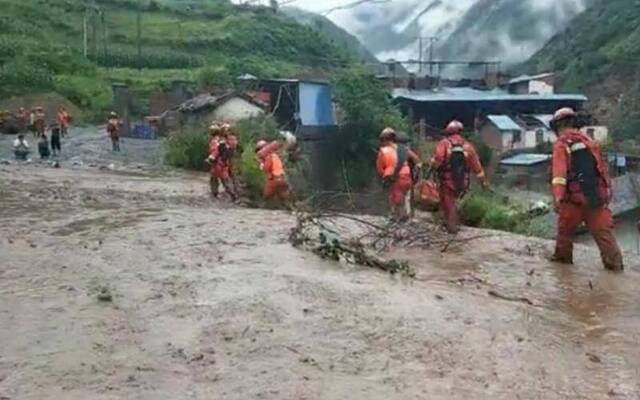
<point x="495" y="294"/>
<point x="590" y="284"/>
<point x="105" y="295"/>
<point x="594" y="358"/>
<point x="438" y="297"/>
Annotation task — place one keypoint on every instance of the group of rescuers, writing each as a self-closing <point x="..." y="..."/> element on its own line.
<point x="36" y="121"/>
<point x="581" y="185"/>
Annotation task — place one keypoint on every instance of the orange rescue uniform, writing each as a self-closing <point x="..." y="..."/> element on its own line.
<point x="448" y="192"/>
<point x="573" y="207"/>
<point x="386" y="165"/>
<point x="276" y="185"/>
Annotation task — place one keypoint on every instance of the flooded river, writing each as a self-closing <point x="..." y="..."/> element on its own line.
<point x="626" y="233"/>
<point x="212" y="302"/>
<point x="208" y="301"/>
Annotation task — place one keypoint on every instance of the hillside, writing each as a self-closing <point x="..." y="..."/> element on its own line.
<point x="211" y="41"/>
<point x="506" y="30"/>
<point x="336" y="34"/>
<point x="599" y="54"/>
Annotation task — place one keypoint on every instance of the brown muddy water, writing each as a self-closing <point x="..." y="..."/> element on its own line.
<point x="211" y="302"/>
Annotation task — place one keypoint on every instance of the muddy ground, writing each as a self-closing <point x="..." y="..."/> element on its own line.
<point x="212" y="302"/>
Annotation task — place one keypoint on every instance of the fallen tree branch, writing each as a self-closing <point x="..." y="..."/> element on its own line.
<point x="497" y="295"/>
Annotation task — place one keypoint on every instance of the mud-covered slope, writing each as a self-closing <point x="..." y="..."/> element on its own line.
<point x="209" y="302"/>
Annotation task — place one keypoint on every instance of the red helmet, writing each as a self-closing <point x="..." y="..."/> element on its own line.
<point x="563" y="113"/>
<point x="454" y="127"/>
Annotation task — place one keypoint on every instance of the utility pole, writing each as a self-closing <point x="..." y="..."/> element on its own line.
<point x="432" y="40"/>
<point x="104" y="35"/>
<point x="84" y="33"/>
<point x="139" y="22"/>
<point x="420" y="54"/>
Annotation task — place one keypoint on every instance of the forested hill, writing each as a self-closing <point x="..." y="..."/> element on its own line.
<point x="42" y="46"/>
<point x="599" y="53"/>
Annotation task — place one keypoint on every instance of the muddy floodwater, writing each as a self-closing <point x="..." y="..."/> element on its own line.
<point x="207" y="301"/>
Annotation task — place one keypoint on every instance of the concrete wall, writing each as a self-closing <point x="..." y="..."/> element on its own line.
<point x="236" y="109"/>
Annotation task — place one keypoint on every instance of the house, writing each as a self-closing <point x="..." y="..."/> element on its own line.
<point x="437" y="106"/>
<point x="501" y="133"/>
<point x="205" y="108"/>
<point x="302" y="106"/>
<point x="528" y="171"/>
<point x="538" y="84"/>
<point x="537" y="130"/>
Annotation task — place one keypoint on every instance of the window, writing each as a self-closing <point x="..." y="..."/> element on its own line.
<point x="591" y="132"/>
<point x="517" y="136"/>
<point x="539" y="137"/>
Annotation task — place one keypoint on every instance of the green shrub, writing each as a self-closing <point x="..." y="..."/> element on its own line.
<point x="187" y="150"/>
<point x="85" y="92"/>
<point x="252" y="176"/>
<point x="215" y="77"/>
<point x="487" y="210"/>
<point x="250" y="130"/>
<point x="16" y="77"/>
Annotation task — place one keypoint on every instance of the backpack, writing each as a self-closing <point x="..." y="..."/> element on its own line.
<point x="583" y="174"/>
<point x="402" y="153"/>
<point x="457" y="165"/>
<point x="224" y="152"/>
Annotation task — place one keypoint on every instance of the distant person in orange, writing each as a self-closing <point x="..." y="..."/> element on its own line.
<point x="114" y="124"/>
<point x="393" y="165"/>
<point x="64" y="121"/>
<point x="39" y="122"/>
<point x="582" y="191"/>
<point x="276" y="186"/>
<point x="219" y="161"/>
<point x="22" y="116"/>
<point x="454" y="158"/>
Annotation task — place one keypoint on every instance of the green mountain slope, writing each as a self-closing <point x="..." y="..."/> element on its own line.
<point x="336" y="34"/>
<point x="41" y="46"/>
<point x="599" y="54"/>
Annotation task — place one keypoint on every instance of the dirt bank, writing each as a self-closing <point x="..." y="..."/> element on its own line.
<point x="210" y="302"/>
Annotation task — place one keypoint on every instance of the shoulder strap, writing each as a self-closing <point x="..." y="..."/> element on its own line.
<point x="402" y="155"/>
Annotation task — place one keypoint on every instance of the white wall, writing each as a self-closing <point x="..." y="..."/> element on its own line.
<point x="540" y="87"/>
<point x="600" y="133"/>
<point x="236" y="109"/>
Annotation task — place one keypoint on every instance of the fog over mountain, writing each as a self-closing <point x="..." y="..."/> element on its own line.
<point x="504" y="30"/>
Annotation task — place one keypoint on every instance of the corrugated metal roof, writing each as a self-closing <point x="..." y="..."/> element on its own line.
<point x="525" y="159"/>
<point x="504" y="123"/>
<point x="469" y="94"/>
<point x="545" y="119"/>
<point x="525" y="78"/>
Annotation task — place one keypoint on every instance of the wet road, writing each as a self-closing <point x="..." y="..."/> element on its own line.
<point x="91" y="145"/>
<point x="211" y="302"/>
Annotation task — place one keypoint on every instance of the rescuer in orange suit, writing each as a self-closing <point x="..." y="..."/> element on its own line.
<point x="581" y="189"/>
<point x="453" y="159"/>
<point x="393" y="167"/>
<point x="276" y="186"/>
<point x="219" y="163"/>
<point x="232" y="144"/>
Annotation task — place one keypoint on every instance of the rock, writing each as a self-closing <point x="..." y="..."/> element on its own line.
<point x="594" y="358"/>
<point x="105" y="295"/>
